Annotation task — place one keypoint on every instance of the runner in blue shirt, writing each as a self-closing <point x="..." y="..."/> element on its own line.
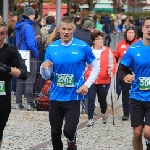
<point x="137" y="59"/>
<point x="66" y="59"/>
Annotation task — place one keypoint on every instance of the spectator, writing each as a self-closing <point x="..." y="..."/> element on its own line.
<point x="48" y="27"/>
<point x="122" y="46"/>
<point x="37" y="30"/>
<point x="15" y="17"/>
<point x="77" y="22"/>
<point x="84" y="34"/>
<point x="25" y="32"/>
<point x="100" y="87"/>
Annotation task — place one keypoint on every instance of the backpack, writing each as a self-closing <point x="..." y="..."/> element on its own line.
<point x="12" y="37"/>
<point x="42" y="101"/>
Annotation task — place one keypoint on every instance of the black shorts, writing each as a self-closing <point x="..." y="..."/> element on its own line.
<point x="5" y="110"/>
<point x="139" y="112"/>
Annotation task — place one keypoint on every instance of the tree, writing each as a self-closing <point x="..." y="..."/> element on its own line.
<point x="133" y="5"/>
<point x="91" y="3"/>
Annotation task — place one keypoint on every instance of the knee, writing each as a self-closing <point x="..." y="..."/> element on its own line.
<point x="69" y="134"/>
<point x="147" y="133"/>
<point x="147" y="136"/>
<point x="137" y="133"/>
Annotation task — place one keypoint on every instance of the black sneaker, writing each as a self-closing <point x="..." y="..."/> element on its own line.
<point x="19" y="106"/>
<point x="124" y="118"/>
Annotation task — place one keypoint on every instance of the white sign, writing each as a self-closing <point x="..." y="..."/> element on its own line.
<point x="25" y="54"/>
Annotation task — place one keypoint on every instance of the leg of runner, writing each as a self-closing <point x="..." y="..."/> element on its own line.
<point x="70" y="126"/>
<point x="56" y="117"/>
<point x="147" y="135"/>
<point x="137" y="137"/>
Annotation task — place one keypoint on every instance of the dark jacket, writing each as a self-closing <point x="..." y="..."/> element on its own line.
<point x="10" y="56"/>
<point x="37" y="31"/>
<point x="84" y="35"/>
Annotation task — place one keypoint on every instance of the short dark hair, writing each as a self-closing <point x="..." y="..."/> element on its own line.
<point x="102" y="21"/>
<point x="96" y="34"/>
<point x="50" y="19"/>
<point x="36" y="14"/>
<point x="147" y="18"/>
<point x="76" y="19"/>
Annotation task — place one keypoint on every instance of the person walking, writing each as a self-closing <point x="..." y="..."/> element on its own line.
<point x="129" y="39"/>
<point x="137" y="60"/>
<point x="26" y="40"/>
<point x="66" y="59"/>
<point x="11" y="64"/>
<point x="100" y="87"/>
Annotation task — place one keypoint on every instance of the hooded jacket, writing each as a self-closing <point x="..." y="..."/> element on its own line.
<point x="28" y="40"/>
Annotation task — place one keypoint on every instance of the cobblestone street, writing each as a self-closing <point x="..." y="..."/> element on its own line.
<point x="30" y="130"/>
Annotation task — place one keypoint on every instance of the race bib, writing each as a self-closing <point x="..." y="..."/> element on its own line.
<point x="65" y="80"/>
<point x="2" y="88"/>
<point x="144" y="83"/>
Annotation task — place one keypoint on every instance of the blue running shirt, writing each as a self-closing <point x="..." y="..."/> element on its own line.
<point x="70" y="60"/>
<point x="137" y="57"/>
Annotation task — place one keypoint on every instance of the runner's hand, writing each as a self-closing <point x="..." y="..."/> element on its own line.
<point x="129" y="78"/>
<point x="111" y="74"/>
<point x="47" y="64"/>
<point x="83" y="90"/>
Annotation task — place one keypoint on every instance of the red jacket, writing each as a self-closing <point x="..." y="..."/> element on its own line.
<point x="107" y="65"/>
<point x="122" y="47"/>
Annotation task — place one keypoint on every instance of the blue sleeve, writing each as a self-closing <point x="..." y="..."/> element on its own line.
<point x="47" y="54"/>
<point x="31" y="40"/>
<point x="89" y="56"/>
<point x="126" y="60"/>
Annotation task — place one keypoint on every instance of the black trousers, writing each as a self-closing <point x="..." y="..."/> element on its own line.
<point x="70" y="111"/>
<point x="5" y="110"/>
<point x="125" y="97"/>
<point x="101" y="90"/>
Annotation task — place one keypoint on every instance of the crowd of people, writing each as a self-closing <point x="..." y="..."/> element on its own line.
<point x="77" y="58"/>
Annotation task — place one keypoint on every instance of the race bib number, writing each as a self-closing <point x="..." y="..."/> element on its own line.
<point x="144" y="83"/>
<point x="65" y="80"/>
<point x="2" y="88"/>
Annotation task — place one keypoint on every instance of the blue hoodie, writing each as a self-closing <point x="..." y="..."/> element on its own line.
<point x="28" y="41"/>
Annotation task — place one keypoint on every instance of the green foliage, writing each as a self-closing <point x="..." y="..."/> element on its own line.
<point x="136" y="15"/>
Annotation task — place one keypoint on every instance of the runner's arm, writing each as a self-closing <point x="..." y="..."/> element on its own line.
<point x="123" y="71"/>
<point x="94" y="73"/>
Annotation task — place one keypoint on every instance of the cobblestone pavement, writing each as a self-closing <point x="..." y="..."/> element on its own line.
<point x="30" y="130"/>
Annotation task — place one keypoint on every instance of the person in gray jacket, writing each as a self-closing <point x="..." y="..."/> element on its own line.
<point x="26" y="40"/>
